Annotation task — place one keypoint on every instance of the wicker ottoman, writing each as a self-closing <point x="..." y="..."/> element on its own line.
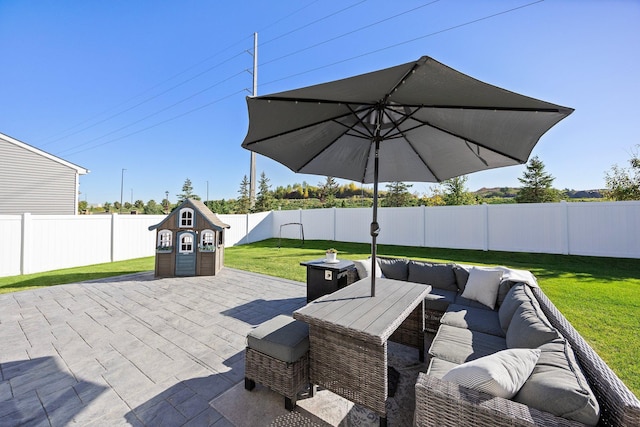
<point x="277" y="356"/>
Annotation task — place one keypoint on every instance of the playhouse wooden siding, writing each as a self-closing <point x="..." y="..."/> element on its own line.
<point x="37" y="182"/>
<point x="197" y="261"/>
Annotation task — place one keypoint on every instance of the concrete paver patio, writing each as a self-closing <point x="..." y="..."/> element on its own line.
<point x="132" y="350"/>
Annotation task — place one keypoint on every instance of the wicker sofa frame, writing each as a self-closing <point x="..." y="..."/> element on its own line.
<point x="442" y="403"/>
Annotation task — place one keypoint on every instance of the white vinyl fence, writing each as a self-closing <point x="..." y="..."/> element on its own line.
<point x="34" y="243"/>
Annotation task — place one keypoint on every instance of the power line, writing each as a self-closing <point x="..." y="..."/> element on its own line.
<point x="71" y="152"/>
<point x="349" y="33"/>
<point x="160" y="123"/>
<point x="455" y="27"/>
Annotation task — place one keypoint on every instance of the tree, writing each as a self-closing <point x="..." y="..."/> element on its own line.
<point x="327" y="191"/>
<point x="107" y="206"/>
<point x="455" y="192"/>
<point x="264" y="198"/>
<point x="624" y="183"/>
<point x="139" y="204"/>
<point x="398" y="195"/>
<point x="537" y="184"/>
<point x="187" y="192"/>
<point x="82" y="206"/>
<point x="244" y="202"/>
<point x="152" y="208"/>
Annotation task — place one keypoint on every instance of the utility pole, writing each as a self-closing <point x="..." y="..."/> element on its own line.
<point x="252" y="174"/>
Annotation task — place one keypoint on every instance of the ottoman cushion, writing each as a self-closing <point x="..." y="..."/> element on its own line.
<point x="282" y="337"/>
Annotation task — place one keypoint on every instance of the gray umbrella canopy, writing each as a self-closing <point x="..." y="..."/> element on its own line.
<point x="420" y="121"/>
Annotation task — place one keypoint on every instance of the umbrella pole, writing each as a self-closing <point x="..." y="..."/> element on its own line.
<point x="375" y="227"/>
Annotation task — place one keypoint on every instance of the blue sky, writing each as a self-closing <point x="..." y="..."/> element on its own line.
<point x="159" y="87"/>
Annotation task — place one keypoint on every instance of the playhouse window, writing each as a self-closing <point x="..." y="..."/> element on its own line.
<point x="186" y="217"/>
<point x="186" y="243"/>
<point x="164" y="239"/>
<point x="207" y="239"/>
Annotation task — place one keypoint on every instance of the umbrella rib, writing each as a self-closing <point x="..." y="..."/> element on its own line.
<point x="257" y="141"/>
<point x="349" y="128"/>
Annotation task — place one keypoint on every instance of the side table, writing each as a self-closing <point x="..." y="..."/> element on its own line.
<point x="325" y="278"/>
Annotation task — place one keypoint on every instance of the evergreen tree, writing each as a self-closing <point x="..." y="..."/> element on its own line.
<point x="624" y="184"/>
<point x="187" y="192"/>
<point x="537" y="184"/>
<point x="398" y="195"/>
<point x="244" y="202"/>
<point x="264" y="198"/>
<point x="327" y="191"/>
<point x="456" y="193"/>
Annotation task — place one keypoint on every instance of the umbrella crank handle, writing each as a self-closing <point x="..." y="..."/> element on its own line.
<point x="375" y="229"/>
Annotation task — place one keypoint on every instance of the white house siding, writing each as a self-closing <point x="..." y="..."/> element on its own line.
<point x="34" y="182"/>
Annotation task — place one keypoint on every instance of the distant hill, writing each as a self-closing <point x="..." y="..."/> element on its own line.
<point x="508" y="192"/>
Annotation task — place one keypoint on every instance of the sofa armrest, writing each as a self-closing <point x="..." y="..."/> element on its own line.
<point x="443" y="403"/>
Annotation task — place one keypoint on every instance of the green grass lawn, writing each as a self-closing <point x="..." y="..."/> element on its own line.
<point x="599" y="296"/>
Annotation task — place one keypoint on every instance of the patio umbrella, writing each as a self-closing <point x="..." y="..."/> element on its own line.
<point x="420" y="121"/>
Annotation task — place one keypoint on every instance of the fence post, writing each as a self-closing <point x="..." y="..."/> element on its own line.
<point x="485" y="215"/>
<point x="335" y="220"/>
<point x="424" y="226"/>
<point x="114" y="220"/>
<point x="565" y="227"/>
<point x="25" y="239"/>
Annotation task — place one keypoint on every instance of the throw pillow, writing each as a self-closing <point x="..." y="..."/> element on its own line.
<point x="501" y="374"/>
<point x="394" y="268"/>
<point x="482" y="286"/>
<point x="364" y="268"/>
<point x="438" y="275"/>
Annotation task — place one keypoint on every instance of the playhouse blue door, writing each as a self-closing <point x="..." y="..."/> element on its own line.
<point x="186" y="254"/>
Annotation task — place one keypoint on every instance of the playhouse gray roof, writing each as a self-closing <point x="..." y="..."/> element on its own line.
<point x="198" y="205"/>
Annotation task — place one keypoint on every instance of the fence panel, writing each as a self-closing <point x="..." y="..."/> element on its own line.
<point x="237" y="232"/>
<point x="260" y="226"/>
<point x="604" y="229"/>
<point x="531" y="227"/>
<point x="456" y="227"/>
<point x="286" y="224"/>
<point x="352" y="225"/>
<point x="10" y="244"/>
<point x="52" y="242"/>
<point x="132" y="238"/>
<point x="319" y="224"/>
<point x="400" y="226"/>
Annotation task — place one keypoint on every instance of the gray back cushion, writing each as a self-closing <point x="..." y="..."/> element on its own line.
<point x="529" y="327"/>
<point x="462" y="276"/>
<point x="518" y="294"/>
<point x="437" y="275"/>
<point x="557" y="385"/>
<point x="394" y="268"/>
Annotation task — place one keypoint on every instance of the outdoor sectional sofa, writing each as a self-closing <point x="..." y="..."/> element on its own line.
<point x="502" y="334"/>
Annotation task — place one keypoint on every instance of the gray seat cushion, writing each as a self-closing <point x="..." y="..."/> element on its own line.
<point x="282" y="337"/>
<point x="458" y="345"/>
<point x="471" y="303"/>
<point x="438" y="367"/>
<point x="557" y="385"/>
<point x="437" y="275"/>
<point x="476" y="319"/>
<point x="439" y="299"/>
<point x="394" y="268"/>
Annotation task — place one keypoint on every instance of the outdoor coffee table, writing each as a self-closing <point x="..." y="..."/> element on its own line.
<point x="348" y="333"/>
